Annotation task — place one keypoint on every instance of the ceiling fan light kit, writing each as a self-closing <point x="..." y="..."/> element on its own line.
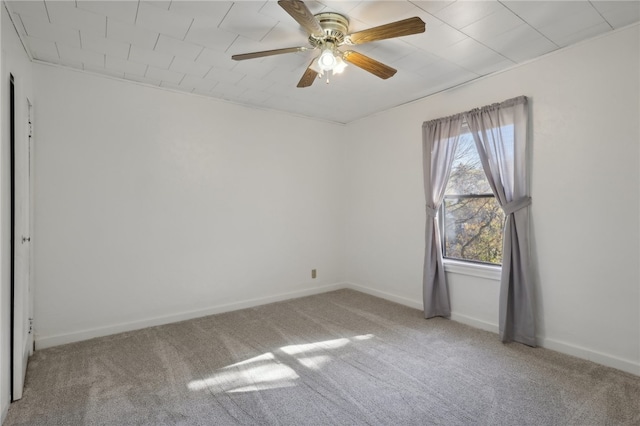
<point x="327" y="32"/>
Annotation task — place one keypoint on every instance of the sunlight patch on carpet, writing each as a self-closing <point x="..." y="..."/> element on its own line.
<point x="269" y="371"/>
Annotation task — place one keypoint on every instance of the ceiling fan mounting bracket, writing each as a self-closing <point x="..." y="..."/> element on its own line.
<point x="334" y="25"/>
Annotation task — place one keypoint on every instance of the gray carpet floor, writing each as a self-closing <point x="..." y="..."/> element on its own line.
<point x="339" y="358"/>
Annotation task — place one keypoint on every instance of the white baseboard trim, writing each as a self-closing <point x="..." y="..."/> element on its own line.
<point x="554" y="345"/>
<point x="625" y="365"/>
<point x="3" y="414"/>
<point x="43" y="342"/>
<point x="474" y="322"/>
<point x="384" y="295"/>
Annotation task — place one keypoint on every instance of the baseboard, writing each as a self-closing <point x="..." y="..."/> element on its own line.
<point x="551" y="344"/>
<point x="474" y="322"/>
<point x="590" y="355"/>
<point x="43" y="342"/>
<point x="384" y="295"/>
<point x="3" y="414"/>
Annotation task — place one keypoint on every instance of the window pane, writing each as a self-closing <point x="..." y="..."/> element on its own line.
<point x="467" y="175"/>
<point x="473" y="228"/>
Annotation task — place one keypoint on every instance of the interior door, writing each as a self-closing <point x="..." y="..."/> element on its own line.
<point x="22" y="294"/>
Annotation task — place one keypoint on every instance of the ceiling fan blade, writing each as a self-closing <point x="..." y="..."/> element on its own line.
<point x="301" y="13"/>
<point x="308" y="77"/>
<point x="252" y="55"/>
<point x="368" y="64"/>
<point x="405" y="27"/>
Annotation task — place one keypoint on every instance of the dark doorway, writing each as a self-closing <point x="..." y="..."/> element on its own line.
<point x="12" y="171"/>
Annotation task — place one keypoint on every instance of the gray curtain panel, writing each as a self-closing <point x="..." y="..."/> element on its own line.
<point x="439" y="141"/>
<point x="500" y="134"/>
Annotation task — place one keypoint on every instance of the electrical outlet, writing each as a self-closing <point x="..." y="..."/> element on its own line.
<point x="313" y="273"/>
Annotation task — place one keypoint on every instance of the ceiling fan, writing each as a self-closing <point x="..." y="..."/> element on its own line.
<point x="327" y="32"/>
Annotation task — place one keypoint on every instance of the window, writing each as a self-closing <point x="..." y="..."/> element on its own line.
<point x="471" y="218"/>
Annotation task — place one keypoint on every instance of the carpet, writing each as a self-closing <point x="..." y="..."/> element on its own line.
<point x="339" y="358"/>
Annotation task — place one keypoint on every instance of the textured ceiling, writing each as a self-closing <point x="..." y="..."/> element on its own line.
<point x="187" y="45"/>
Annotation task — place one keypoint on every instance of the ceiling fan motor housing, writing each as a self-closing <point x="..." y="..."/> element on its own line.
<point x="335" y="28"/>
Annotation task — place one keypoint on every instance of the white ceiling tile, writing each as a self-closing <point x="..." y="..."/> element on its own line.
<point x="219" y="59"/>
<point x="175" y="87"/>
<point x="561" y="31"/>
<point x="41" y="48"/>
<point x="473" y="56"/>
<point x="36" y="27"/>
<point x="131" y="34"/>
<point x="199" y="84"/>
<point x="243" y="18"/>
<point x="195" y="42"/>
<point x="462" y="13"/>
<point x="164" y="75"/>
<point x="529" y="49"/>
<point x="484" y="66"/>
<point x="432" y="6"/>
<point x="145" y="80"/>
<point x="618" y="13"/>
<point x="284" y="36"/>
<point x="273" y="10"/>
<point x="227" y="91"/>
<point x="160" y="4"/>
<point x="124" y="66"/>
<point x="186" y="66"/>
<point x="521" y="43"/>
<point x="52" y="60"/>
<point x="224" y="76"/>
<point x="65" y="13"/>
<point x="202" y="92"/>
<point x="490" y="26"/>
<point x="105" y="45"/>
<point x="103" y="71"/>
<point x="438" y="35"/>
<point x="588" y="32"/>
<point x="339" y="6"/>
<point x="67" y="63"/>
<point x="74" y="54"/>
<point x="539" y="15"/>
<point x="253" y="83"/>
<point x="210" y="10"/>
<point x="22" y="32"/>
<point x="289" y="60"/>
<point x="257" y="68"/>
<point x="254" y="96"/>
<point x="204" y="33"/>
<point x="159" y="20"/>
<point x="415" y="61"/>
<point x="442" y="70"/>
<point x="390" y="51"/>
<point x="123" y="11"/>
<point x="150" y="57"/>
<point x="35" y="9"/>
<point x="375" y="14"/>
<point x="176" y="47"/>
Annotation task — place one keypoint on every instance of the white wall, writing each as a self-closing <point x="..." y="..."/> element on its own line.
<point x="154" y="206"/>
<point x="14" y="61"/>
<point x="585" y="189"/>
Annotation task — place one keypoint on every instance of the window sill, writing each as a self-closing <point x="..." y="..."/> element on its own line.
<point x="473" y="269"/>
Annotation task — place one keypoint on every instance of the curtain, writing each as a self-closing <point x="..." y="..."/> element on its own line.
<point x="500" y="133"/>
<point x="439" y="140"/>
